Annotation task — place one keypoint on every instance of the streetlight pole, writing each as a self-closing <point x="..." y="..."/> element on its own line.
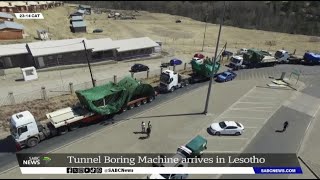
<point x="214" y="62"/>
<point x="204" y="34"/>
<point x="85" y="48"/>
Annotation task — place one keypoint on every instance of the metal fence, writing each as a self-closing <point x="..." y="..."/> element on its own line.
<point x="45" y="93"/>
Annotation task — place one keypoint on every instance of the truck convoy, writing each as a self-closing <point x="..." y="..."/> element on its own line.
<point x="96" y="103"/>
<point x="193" y="149"/>
<point x="253" y="58"/>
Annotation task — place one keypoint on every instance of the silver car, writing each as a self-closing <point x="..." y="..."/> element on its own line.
<point x="227" y="127"/>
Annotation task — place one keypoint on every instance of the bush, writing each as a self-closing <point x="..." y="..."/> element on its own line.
<point x="270" y="43"/>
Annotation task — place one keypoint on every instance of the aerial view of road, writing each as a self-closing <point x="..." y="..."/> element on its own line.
<point x="159" y="79"/>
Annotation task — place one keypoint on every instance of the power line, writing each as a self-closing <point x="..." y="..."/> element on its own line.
<point x="44" y="47"/>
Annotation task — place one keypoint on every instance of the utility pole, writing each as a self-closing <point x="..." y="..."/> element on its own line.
<point x="204" y="34"/>
<point x="214" y="62"/>
<point x="85" y="48"/>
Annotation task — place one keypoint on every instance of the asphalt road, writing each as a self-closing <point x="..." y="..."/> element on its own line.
<point x="7" y="146"/>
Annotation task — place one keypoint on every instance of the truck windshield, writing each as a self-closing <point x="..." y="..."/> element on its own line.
<point x="234" y="60"/>
<point x="164" y="78"/>
<point x="278" y="54"/>
<point x="13" y="130"/>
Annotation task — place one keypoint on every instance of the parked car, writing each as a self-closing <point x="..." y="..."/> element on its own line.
<point x="97" y="31"/>
<point x="226" y="76"/>
<point x="175" y="62"/>
<point x="139" y="68"/>
<point x="178" y="21"/>
<point x="227" y="128"/>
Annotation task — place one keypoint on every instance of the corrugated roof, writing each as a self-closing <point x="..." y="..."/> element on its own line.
<point x="11" y="25"/>
<point x="43" y="48"/>
<point x="78" y="24"/>
<point x="84" y="6"/>
<point x="101" y="44"/>
<point x="4" y="4"/>
<point x="32" y="3"/>
<point x="13" y="49"/>
<point x="6" y="15"/>
<point x="76" y="18"/>
<point x="81" y="11"/>
<point x="42" y="2"/>
<point x="134" y="44"/>
<point x="19" y="3"/>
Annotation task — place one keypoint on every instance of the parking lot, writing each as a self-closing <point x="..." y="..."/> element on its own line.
<point x="177" y="121"/>
<point x="252" y="110"/>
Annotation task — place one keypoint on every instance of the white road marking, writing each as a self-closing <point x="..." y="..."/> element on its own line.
<point x="249" y="109"/>
<point x="262" y="97"/>
<point x="237" y="117"/>
<point x="249" y="102"/>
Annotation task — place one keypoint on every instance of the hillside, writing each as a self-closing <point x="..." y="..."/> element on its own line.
<point x="177" y="38"/>
<point x="295" y="17"/>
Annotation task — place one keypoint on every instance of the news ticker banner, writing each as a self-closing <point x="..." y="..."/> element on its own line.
<point x="158" y="163"/>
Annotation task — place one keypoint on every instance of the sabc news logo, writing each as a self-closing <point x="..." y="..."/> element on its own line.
<point x="36" y="160"/>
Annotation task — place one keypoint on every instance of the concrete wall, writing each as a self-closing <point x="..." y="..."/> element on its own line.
<point x="78" y="57"/>
<point x="134" y="53"/>
<point x="8" y="34"/>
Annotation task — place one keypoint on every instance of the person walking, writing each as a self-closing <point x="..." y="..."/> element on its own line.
<point x="143" y="127"/>
<point x="285" y="125"/>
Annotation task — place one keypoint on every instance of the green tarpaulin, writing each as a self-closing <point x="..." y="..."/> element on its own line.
<point x="205" y="68"/>
<point x="254" y="55"/>
<point x="110" y="98"/>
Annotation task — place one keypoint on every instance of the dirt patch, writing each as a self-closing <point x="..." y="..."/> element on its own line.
<point x="38" y="108"/>
<point x="177" y="34"/>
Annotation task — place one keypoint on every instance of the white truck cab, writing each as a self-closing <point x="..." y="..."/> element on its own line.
<point x="170" y="80"/>
<point x="242" y="51"/>
<point x="22" y="126"/>
<point x="236" y="62"/>
<point x="282" y="56"/>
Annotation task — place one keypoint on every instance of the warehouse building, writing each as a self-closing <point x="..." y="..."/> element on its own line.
<point x="76" y="18"/>
<point x="43" y="54"/>
<point x="78" y="26"/>
<point x="58" y="52"/>
<point x="15" y="55"/>
<point x="134" y="48"/>
<point x="11" y="30"/>
<point x="102" y="49"/>
<point x="5" y="17"/>
<point x="86" y="8"/>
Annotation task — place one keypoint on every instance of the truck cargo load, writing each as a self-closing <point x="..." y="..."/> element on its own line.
<point x="205" y="69"/>
<point x="111" y="98"/>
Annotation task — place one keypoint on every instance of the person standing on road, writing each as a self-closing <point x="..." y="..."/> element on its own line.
<point x="149" y="125"/>
<point x="143" y="127"/>
<point x="285" y="125"/>
<point x="148" y="132"/>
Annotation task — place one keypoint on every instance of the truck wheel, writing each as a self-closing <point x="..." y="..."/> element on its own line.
<point x="172" y="89"/>
<point x="131" y="106"/>
<point x="138" y="104"/>
<point x="150" y="99"/>
<point x="144" y="101"/>
<point x="32" y="142"/>
<point x="62" y="130"/>
<point x="74" y="126"/>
